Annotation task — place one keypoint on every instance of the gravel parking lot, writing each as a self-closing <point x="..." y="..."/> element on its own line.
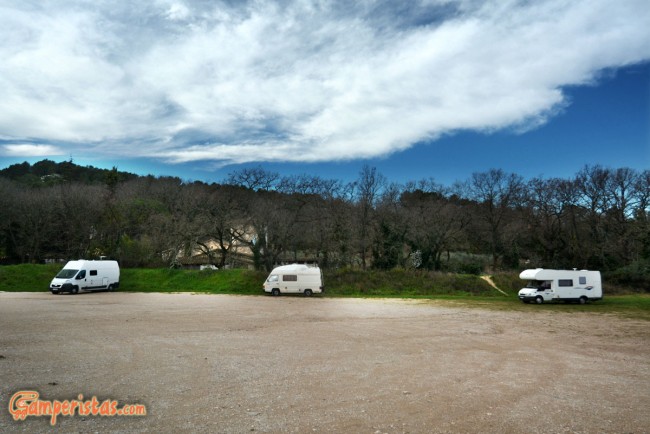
<point x="213" y="363"/>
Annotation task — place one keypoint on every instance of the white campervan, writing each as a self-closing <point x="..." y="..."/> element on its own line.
<point x="83" y="275"/>
<point x="560" y="285"/>
<point x="294" y="279"/>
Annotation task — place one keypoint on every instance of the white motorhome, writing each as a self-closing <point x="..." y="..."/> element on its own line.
<point x="560" y="285"/>
<point x="295" y="279"/>
<point x="83" y="275"/>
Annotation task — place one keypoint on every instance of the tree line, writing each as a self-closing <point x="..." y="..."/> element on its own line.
<point x="597" y="219"/>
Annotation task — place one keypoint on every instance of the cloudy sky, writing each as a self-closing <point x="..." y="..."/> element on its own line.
<point x="441" y="88"/>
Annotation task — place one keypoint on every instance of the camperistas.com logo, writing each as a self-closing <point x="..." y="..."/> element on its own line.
<point x="27" y="403"/>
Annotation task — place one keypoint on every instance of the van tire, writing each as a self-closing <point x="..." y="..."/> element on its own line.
<point x="539" y="299"/>
<point x="275" y="292"/>
<point x="75" y="290"/>
<point x="110" y="288"/>
<point x="308" y="293"/>
<point x="582" y="300"/>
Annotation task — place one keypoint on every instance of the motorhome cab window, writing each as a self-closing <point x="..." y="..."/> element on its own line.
<point x="290" y="278"/>
<point x="540" y="285"/>
<point x="273" y="278"/>
<point x="565" y="282"/>
<point x="93" y="272"/>
<point x="82" y="274"/>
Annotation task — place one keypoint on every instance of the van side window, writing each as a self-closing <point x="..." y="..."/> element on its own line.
<point x="93" y="272"/>
<point x="290" y="278"/>
<point x="82" y="274"/>
<point x="565" y="282"/>
<point x="582" y="280"/>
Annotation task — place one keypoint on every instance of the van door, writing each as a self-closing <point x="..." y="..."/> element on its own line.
<point x="290" y="283"/>
<point x="82" y="279"/>
<point x="567" y="289"/>
<point x="582" y="286"/>
<point x="95" y="280"/>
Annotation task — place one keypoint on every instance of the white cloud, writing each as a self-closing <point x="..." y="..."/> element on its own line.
<point x="30" y="150"/>
<point x="300" y="80"/>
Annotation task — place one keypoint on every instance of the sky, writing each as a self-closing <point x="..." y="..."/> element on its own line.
<point x="418" y="89"/>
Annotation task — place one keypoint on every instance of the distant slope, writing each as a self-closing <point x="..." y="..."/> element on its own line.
<point x="50" y="172"/>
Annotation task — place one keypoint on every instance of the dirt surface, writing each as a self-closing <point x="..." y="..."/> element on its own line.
<point x="211" y="363"/>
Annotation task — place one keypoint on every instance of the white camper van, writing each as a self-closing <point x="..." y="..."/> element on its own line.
<point x="294" y="279"/>
<point x="85" y="275"/>
<point x="561" y="285"/>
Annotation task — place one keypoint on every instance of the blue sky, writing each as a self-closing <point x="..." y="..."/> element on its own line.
<point x="429" y="88"/>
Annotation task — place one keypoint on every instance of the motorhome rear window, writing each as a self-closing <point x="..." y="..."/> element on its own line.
<point x="565" y="282"/>
<point x="93" y="272"/>
<point x="290" y="278"/>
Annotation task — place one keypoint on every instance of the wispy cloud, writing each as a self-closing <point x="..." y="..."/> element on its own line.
<point x="299" y="80"/>
<point x="29" y="150"/>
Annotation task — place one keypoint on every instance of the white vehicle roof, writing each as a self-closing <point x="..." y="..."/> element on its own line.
<point x="82" y="262"/>
<point x="293" y="268"/>
<point x="544" y="274"/>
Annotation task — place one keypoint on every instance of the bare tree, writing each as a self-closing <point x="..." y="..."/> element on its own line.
<point x="496" y="193"/>
<point x="435" y="223"/>
<point x="255" y="178"/>
<point x="621" y="197"/>
<point x="222" y="221"/>
<point x="368" y="188"/>
<point x="592" y="183"/>
<point x="34" y="223"/>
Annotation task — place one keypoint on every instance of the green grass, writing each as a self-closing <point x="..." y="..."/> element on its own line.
<point x="34" y="278"/>
<point x="27" y="277"/>
<point x="212" y="282"/>
<point x="453" y="289"/>
<point x="402" y="283"/>
<point x="629" y="306"/>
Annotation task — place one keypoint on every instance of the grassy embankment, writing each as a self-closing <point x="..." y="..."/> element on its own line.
<point x="468" y="290"/>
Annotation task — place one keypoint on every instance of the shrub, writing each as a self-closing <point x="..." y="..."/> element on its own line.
<point x="635" y="277"/>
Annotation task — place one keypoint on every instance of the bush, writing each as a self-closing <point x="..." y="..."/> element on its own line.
<point x="508" y="281"/>
<point x="465" y="263"/>
<point x="403" y="283"/>
<point x="634" y="277"/>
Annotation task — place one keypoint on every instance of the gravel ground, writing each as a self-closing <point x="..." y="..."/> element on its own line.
<point x="212" y="363"/>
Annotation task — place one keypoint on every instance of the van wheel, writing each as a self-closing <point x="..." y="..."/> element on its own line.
<point x="275" y="292"/>
<point x="308" y="293"/>
<point x="110" y="288"/>
<point x="539" y="299"/>
<point x="75" y="290"/>
<point x="582" y="300"/>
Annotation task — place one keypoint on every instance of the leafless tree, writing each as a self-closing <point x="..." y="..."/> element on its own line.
<point x="435" y="224"/>
<point x="368" y="188"/>
<point x="255" y="178"/>
<point x="497" y="193"/>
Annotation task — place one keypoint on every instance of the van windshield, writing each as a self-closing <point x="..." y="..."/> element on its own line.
<point x="66" y="274"/>
<point x="539" y="284"/>
<point x="272" y="278"/>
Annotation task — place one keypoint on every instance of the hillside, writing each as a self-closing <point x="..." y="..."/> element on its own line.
<point x="48" y="172"/>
